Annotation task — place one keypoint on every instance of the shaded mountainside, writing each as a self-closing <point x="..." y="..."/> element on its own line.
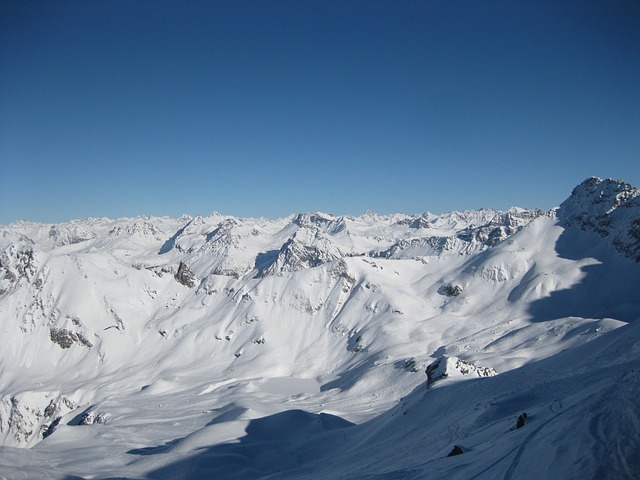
<point x="226" y="347"/>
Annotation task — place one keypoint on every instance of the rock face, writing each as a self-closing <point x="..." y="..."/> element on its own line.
<point x="308" y="248"/>
<point x="26" y="418"/>
<point x="70" y="234"/>
<point x="16" y="263"/>
<point x="434" y="245"/>
<point x="450" y="290"/>
<point x="185" y="276"/>
<point x="91" y="418"/>
<point x="610" y="208"/>
<point x="446" y="367"/>
<point x="65" y="338"/>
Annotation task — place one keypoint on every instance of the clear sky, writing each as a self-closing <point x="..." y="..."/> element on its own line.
<point x="265" y="108"/>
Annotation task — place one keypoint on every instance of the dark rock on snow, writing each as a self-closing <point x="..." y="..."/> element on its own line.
<point x="185" y="276"/>
<point x="457" y="450"/>
<point x="522" y="419"/>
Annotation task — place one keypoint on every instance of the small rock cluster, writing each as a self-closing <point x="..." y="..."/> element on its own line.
<point x="447" y="366"/>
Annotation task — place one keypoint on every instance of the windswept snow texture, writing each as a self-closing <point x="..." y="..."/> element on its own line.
<point x="232" y="348"/>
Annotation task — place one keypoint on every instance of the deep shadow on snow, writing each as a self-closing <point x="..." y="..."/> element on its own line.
<point x="271" y="444"/>
<point x="582" y="415"/>
<point x="610" y="288"/>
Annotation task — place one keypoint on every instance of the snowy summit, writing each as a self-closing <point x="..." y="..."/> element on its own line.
<point x="471" y="344"/>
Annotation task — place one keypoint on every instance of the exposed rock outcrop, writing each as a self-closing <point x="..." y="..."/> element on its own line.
<point x="454" y="367"/>
<point x="522" y="420"/>
<point x="457" y="450"/>
<point x="450" y="290"/>
<point x="70" y="234"/>
<point x="410" y="365"/>
<point x="185" y="276"/>
<point x="92" y="417"/>
<point x="420" y="246"/>
<point x="65" y="338"/>
<point x="27" y="417"/>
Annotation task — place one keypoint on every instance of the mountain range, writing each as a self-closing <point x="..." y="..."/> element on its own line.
<point x="476" y="344"/>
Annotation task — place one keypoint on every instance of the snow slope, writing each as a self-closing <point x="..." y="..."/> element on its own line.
<point x="221" y="347"/>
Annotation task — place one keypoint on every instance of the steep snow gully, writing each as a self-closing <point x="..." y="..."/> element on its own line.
<point x="470" y="345"/>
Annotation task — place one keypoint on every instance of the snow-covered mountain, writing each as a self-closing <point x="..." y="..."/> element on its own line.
<point x="322" y="346"/>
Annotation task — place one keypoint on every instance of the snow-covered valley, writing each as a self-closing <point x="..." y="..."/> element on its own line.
<point x="223" y="347"/>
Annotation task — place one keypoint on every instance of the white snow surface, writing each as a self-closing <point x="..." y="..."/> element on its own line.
<point x="300" y="350"/>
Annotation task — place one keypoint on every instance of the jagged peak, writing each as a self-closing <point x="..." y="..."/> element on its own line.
<point x="597" y="196"/>
<point x="306" y="248"/>
<point x="610" y="208"/>
<point x="318" y="219"/>
<point x="369" y="215"/>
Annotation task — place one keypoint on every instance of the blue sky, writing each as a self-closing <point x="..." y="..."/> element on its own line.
<point x="265" y="108"/>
